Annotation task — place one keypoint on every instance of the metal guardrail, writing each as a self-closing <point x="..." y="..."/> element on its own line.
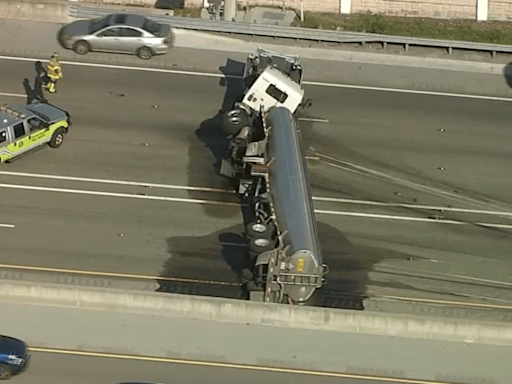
<point x="319" y="35"/>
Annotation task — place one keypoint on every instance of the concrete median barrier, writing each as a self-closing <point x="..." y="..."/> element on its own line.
<point x="245" y="312"/>
<point x="55" y="11"/>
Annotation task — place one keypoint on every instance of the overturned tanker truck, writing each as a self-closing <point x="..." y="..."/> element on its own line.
<point x="266" y="159"/>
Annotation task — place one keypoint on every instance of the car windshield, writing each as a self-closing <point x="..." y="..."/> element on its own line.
<point x="98" y="24"/>
<point x="151" y="26"/>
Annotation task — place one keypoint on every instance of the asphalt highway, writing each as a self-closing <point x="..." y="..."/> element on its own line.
<point x="160" y="128"/>
<point x="49" y="368"/>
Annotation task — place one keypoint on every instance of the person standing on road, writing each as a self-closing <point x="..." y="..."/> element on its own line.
<point x="40" y="82"/>
<point x="54" y="73"/>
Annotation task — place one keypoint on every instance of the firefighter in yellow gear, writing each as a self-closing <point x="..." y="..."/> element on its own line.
<point x="54" y="73"/>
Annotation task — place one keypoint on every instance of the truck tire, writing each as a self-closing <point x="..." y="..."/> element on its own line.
<point x="233" y="121"/>
<point x="57" y="138"/>
<point x="246" y="275"/>
<point x="259" y="230"/>
<point x="258" y="246"/>
<point x="5" y="372"/>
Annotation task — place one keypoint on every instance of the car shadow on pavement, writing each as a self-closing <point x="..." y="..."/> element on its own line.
<point x="507" y="73"/>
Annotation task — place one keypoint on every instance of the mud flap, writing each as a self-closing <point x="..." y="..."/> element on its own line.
<point x="227" y="169"/>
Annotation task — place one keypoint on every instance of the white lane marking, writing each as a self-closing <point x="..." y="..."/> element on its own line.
<point x="213" y="202"/>
<point x="218" y="75"/>
<point x="119" y="182"/>
<point x="227" y="191"/>
<point x="235" y="244"/>
<point x="481" y="280"/>
<point x="370" y="172"/>
<point x="11" y="95"/>
<point x="112" y="194"/>
<point x="315" y="120"/>
<point x="408" y="218"/>
<point x="7" y="225"/>
<point x="414" y="206"/>
<point x="126" y="67"/>
<point x="399" y="90"/>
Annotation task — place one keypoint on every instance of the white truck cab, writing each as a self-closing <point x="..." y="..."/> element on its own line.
<point x="271" y="89"/>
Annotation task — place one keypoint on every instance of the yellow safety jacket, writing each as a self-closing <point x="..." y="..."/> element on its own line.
<point x="54" y="70"/>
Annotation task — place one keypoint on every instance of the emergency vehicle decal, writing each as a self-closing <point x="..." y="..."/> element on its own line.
<point x="29" y="142"/>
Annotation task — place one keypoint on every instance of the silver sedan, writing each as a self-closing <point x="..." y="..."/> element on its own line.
<point x="117" y="33"/>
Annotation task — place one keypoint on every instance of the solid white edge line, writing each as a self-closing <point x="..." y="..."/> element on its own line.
<point x="313" y="83"/>
<point x="7" y="225"/>
<point x="408" y="218"/>
<point x="398" y="90"/>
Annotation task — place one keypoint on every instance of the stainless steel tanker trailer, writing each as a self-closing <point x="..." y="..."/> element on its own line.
<point x="266" y="158"/>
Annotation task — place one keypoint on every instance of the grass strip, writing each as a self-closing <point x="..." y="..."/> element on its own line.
<point x="492" y="32"/>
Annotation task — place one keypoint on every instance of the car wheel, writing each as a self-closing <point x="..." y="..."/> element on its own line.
<point x="81" y="47"/>
<point x="5" y="372"/>
<point x="144" y="53"/>
<point x="57" y="139"/>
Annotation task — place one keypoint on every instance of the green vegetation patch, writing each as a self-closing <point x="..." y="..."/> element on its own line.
<point x="493" y="32"/>
<point x="188" y="12"/>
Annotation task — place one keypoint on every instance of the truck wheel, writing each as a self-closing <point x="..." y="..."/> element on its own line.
<point x="82" y="47"/>
<point x="258" y="246"/>
<point x="5" y="372"/>
<point x="246" y="275"/>
<point x="259" y="230"/>
<point x="57" y="138"/>
<point x="235" y="120"/>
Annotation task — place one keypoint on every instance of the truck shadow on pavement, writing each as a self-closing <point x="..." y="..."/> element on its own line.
<point x="208" y="265"/>
<point x="210" y="143"/>
<point x="212" y="265"/>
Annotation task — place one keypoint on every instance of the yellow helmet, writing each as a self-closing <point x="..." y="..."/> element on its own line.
<point x="54" y="59"/>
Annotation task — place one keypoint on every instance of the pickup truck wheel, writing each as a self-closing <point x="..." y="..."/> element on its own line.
<point x="81" y="47"/>
<point x="5" y="372"/>
<point x="57" y="138"/>
<point x="259" y="230"/>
